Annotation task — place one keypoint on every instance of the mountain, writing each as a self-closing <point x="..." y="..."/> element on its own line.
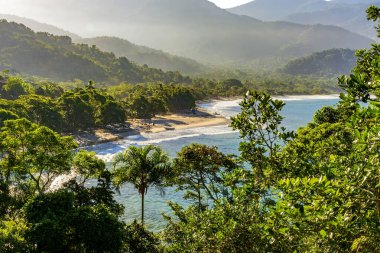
<point x="145" y="55"/>
<point x="196" y="29"/>
<point x="348" y="14"/>
<point x="274" y="10"/>
<point x="350" y="17"/>
<point x="139" y="54"/>
<point x="331" y="62"/>
<point x="39" y="27"/>
<point x="57" y="58"/>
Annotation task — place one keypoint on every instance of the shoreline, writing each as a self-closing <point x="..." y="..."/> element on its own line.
<point x="172" y="122"/>
<point x="160" y="123"/>
<point x="304" y="97"/>
<point x="281" y="97"/>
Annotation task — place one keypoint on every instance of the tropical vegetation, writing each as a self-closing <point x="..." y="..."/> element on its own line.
<point x="313" y="190"/>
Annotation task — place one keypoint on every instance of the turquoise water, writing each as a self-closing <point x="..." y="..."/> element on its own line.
<point x="297" y="112"/>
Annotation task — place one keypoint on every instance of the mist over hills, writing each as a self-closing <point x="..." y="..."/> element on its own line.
<point x="350" y="17"/>
<point x="145" y="55"/>
<point x="192" y="28"/>
<point x="348" y="14"/>
<point x="139" y="54"/>
<point x="274" y="10"/>
<point x="39" y="27"/>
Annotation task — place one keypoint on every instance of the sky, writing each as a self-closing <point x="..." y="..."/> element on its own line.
<point x="220" y="3"/>
<point x="229" y="3"/>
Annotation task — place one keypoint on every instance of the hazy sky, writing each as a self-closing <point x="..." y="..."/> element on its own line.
<point x="229" y="3"/>
<point x="7" y="5"/>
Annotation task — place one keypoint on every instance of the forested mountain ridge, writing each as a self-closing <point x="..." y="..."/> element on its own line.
<point x="197" y="29"/>
<point x="331" y="62"/>
<point x="120" y="47"/>
<point x="57" y="58"/>
<point x="145" y="55"/>
<point x="343" y="13"/>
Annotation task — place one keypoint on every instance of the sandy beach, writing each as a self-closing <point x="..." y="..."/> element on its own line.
<point x="169" y="122"/>
<point x="172" y="122"/>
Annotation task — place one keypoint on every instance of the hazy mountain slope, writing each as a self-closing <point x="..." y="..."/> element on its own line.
<point x="39" y="27"/>
<point x="139" y="54"/>
<point x="144" y="55"/>
<point x="57" y="58"/>
<point x="192" y="28"/>
<point x="348" y="14"/>
<point x="349" y="17"/>
<point x="273" y="10"/>
<point x="331" y="62"/>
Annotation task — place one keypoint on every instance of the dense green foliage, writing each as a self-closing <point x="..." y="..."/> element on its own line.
<point x="73" y="110"/>
<point x="44" y="208"/>
<point x="331" y="62"/>
<point x="85" y="108"/>
<point x="314" y="190"/>
<point x="147" y="100"/>
<point x="79" y="107"/>
<point x="57" y="58"/>
<point x="199" y="169"/>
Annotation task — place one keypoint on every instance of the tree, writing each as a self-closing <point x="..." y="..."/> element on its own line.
<point x="199" y="170"/>
<point x="12" y="236"/>
<point x="49" y="89"/>
<point x="14" y="88"/>
<point x="179" y="99"/>
<point x="42" y="111"/>
<point x="59" y="224"/>
<point x="139" y="107"/>
<point x="111" y="113"/>
<point x="138" y="239"/>
<point x="32" y="156"/>
<point x="77" y="218"/>
<point x="143" y="167"/>
<point x="6" y="115"/>
<point x="77" y="112"/>
<point x="259" y="124"/>
<point x="88" y="166"/>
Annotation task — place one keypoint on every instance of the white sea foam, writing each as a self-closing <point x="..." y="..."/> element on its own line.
<point x="224" y="108"/>
<point x="107" y="151"/>
<point x="228" y="108"/>
<point x="307" y="97"/>
<point x="59" y="181"/>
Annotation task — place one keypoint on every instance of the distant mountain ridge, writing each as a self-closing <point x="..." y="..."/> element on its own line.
<point x="350" y="17"/>
<point x="348" y="14"/>
<point x="144" y="55"/>
<point x="274" y="10"/>
<point x="39" y="27"/>
<point x="192" y="28"/>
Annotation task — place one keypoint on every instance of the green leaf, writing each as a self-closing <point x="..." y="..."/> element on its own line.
<point x="323" y="233"/>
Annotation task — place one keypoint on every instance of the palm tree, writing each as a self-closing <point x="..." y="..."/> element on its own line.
<point x="143" y="167"/>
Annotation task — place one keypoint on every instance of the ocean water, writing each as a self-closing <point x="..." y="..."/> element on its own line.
<point x="298" y="111"/>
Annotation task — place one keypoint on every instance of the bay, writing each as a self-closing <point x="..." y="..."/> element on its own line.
<point x="299" y="110"/>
